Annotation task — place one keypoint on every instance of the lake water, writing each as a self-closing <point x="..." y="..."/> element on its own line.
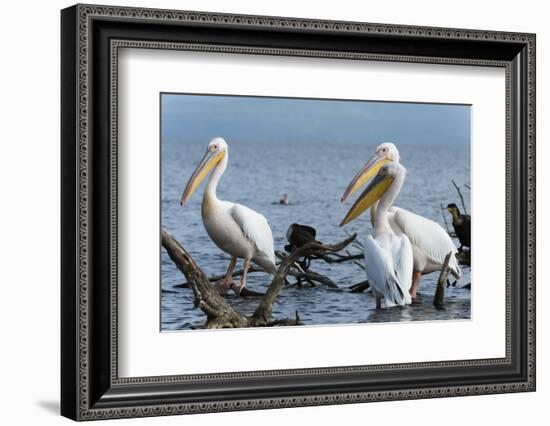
<point x="314" y="175"/>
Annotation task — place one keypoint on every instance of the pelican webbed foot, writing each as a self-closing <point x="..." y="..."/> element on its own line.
<point x="224" y="285"/>
<point x="238" y="288"/>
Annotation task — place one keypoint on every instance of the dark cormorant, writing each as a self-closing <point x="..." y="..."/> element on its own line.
<point x="461" y="225"/>
<point x="299" y="235"/>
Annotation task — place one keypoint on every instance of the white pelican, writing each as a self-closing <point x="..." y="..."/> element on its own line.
<point x="430" y="242"/>
<point x="239" y="231"/>
<point x="388" y="256"/>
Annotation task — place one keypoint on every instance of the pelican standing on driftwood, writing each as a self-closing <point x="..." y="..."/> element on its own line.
<point x="388" y="255"/>
<point x="430" y="242"/>
<point x="237" y="230"/>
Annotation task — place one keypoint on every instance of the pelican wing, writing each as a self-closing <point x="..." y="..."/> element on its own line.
<point x="256" y="229"/>
<point x="427" y="235"/>
<point x="403" y="258"/>
<point x="381" y="272"/>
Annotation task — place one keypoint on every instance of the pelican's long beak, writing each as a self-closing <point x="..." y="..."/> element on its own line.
<point x="365" y="174"/>
<point x="378" y="186"/>
<point x="209" y="160"/>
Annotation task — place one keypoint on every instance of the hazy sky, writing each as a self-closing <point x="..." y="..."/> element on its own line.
<point x="196" y="117"/>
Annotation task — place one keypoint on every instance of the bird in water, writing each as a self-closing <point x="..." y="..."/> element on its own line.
<point x="430" y="242"/>
<point x="388" y="255"/>
<point x="236" y="229"/>
<point x="461" y="225"/>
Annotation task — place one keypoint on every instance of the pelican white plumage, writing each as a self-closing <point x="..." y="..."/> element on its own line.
<point x="388" y="255"/>
<point x="430" y="242"/>
<point x="236" y="229"/>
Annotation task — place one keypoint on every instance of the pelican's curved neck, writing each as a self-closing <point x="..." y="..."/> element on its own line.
<point x="215" y="177"/>
<point x="381" y="222"/>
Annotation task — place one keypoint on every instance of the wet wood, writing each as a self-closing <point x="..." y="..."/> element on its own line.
<point x="262" y="315"/>
<point x="359" y="287"/>
<point x="286" y="322"/>
<point x="297" y="272"/>
<point x="441" y="283"/>
<point x="219" y="314"/>
<point x="464" y="257"/>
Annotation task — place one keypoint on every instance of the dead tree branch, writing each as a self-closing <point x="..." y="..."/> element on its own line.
<point x="359" y="287"/>
<point x="444" y="218"/>
<point x="441" y="282"/>
<point x="219" y="314"/>
<point x="339" y="258"/>
<point x="460" y="195"/>
<point x="262" y="315"/>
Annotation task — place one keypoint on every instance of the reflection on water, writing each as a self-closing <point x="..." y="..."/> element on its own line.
<point x="258" y="175"/>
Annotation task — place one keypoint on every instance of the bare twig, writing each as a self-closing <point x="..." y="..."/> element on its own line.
<point x="359" y="287"/>
<point x="313" y="277"/>
<point x="338" y="258"/>
<point x="460" y="195"/>
<point x="444" y="218"/>
<point x="356" y="243"/>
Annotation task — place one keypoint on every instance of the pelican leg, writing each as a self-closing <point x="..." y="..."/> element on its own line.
<point x="226" y="282"/>
<point x="377" y="298"/>
<point x="237" y="289"/>
<point x="415" y="284"/>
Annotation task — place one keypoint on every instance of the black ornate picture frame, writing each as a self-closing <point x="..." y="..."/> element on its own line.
<point x="91" y="36"/>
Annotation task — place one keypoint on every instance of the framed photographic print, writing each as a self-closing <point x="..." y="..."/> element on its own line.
<point x="263" y="212"/>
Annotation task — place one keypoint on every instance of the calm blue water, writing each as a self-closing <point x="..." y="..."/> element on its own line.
<point x="314" y="175"/>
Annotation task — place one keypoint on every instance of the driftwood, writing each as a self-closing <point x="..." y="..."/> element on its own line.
<point x="218" y="313"/>
<point x="262" y="315"/>
<point x="359" y="287"/>
<point x="338" y="258"/>
<point x="297" y="272"/>
<point x="464" y="257"/>
<point x="441" y="283"/>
